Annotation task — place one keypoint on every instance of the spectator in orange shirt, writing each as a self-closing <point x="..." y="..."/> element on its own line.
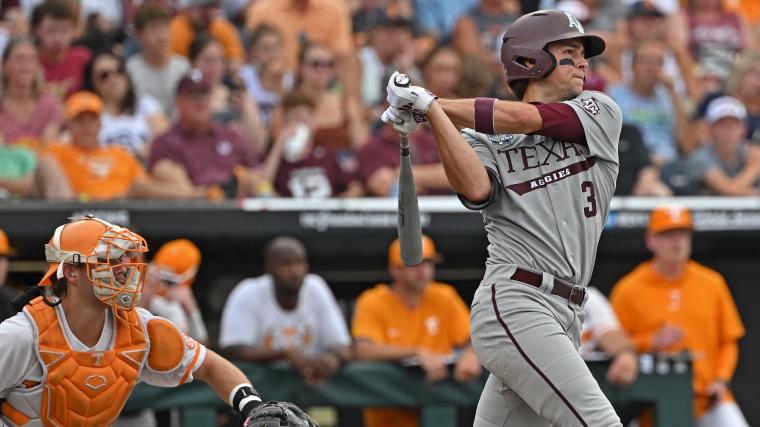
<point x="101" y="173"/>
<point x="327" y="22"/>
<point x="672" y="303"/>
<point x="415" y="319"/>
<point x="301" y="22"/>
<point x="200" y="16"/>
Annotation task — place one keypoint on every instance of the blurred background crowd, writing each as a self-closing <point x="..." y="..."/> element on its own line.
<point x="224" y="99"/>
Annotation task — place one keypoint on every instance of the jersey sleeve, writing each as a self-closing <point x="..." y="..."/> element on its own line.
<point x="173" y="356"/>
<point x="731" y="326"/>
<point x="239" y="324"/>
<point x="602" y="121"/>
<point x="367" y="322"/>
<point x="16" y="348"/>
<point x="333" y="330"/>
<point x="480" y="144"/>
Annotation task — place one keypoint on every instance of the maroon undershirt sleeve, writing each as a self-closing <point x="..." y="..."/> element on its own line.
<point x="560" y="122"/>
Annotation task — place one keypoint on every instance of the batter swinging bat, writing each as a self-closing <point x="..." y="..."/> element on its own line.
<point x="409" y="229"/>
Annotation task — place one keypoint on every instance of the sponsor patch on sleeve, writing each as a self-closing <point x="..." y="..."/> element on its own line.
<point x="591" y="105"/>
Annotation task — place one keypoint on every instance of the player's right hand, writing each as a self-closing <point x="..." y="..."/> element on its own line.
<point x="667" y="336"/>
<point x="402" y="121"/>
<point x="405" y="97"/>
<point x="435" y="369"/>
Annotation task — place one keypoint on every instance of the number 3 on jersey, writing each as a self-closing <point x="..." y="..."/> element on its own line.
<point x="588" y="187"/>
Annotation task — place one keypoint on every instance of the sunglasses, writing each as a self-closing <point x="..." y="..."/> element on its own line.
<point x="316" y="63"/>
<point x="106" y="74"/>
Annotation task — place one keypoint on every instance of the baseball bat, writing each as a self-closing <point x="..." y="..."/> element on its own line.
<point x="409" y="228"/>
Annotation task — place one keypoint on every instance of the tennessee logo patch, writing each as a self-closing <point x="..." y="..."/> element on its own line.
<point x="189" y="342"/>
<point x="501" y="140"/>
<point x="590" y="105"/>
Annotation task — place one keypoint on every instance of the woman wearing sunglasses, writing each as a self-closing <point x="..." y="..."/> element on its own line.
<point x="127" y="120"/>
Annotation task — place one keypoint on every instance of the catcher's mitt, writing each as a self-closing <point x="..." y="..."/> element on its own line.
<point x="278" y="414"/>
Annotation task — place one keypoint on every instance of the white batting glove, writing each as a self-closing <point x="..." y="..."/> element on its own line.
<point x="402" y="121"/>
<point x="414" y="99"/>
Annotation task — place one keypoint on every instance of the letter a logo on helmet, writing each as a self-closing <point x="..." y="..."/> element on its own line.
<point x="526" y="39"/>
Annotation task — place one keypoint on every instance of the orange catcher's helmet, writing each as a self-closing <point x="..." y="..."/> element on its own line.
<point x="114" y="258"/>
<point x="177" y="262"/>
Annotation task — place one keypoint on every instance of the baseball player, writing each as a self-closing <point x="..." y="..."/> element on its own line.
<point x="74" y="354"/>
<point x="542" y="171"/>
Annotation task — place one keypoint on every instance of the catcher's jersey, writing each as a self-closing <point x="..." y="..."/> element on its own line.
<point x="553" y="196"/>
<point x="20" y="364"/>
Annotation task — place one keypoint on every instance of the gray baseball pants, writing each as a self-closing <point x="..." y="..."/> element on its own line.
<point x="528" y="340"/>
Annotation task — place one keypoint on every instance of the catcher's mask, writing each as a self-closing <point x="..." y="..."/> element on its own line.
<point x="113" y="257"/>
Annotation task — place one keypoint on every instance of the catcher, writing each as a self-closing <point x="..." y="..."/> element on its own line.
<point x="76" y="351"/>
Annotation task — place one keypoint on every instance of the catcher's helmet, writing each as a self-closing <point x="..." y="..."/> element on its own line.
<point x="528" y="36"/>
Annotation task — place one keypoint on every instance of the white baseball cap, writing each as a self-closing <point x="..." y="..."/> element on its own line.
<point x="725" y="106"/>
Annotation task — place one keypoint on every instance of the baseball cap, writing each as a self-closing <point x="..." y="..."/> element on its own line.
<point x="644" y="8"/>
<point x="194" y="81"/>
<point x="177" y="262"/>
<point x="5" y="247"/>
<point x="82" y="102"/>
<point x="725" y="106"/>
<point x="428" y="252"/>
<point x="669" y="217"/>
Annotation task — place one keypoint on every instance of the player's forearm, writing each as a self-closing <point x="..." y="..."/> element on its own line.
<point x="220" y="374"/>
<point x="615" y="341"/>
<point x="508" y="116"/>
<point x="728" y="356"/>
<point x="369" y="351"/>
<point x="464" y="170"/>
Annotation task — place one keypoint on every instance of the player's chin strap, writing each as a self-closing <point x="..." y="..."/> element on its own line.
<point x="243" y="398"/>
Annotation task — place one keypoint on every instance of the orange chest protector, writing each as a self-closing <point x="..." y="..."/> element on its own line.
<point x="86" y="389"/>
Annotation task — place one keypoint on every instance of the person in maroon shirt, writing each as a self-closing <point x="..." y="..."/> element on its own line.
<point x="379" y="160"/>
<point x="297" y="166"/>
<point x="198" y="152"/>
<point x="54" y="27"/>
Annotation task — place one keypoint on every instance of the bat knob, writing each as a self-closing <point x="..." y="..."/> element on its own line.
<point x="402" y="80"/>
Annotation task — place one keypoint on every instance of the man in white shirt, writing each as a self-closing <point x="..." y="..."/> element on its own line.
<point x="289" y="315"/>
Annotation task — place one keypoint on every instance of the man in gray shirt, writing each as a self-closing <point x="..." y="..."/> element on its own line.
<point x="542" y="172"/>
<point x="155" y="71"/>
<point x="729" y="165"/>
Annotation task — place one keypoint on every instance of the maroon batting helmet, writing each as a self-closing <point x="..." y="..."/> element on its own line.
<point x="528" y="36"/>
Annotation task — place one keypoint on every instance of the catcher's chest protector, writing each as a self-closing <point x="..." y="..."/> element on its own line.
<point x="86" y="389"/>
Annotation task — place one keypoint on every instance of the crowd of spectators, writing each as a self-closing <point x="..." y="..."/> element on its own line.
<point x="259" y="98"/>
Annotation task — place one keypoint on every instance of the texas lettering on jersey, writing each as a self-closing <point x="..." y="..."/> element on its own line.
<point x="530" y="157"/>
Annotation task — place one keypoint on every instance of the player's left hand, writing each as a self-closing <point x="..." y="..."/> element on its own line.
<point x="716" y="390"/>
<point x="468" y="367"/>
<point x="402" y="120"/>
<point x="414" y="99"/>
<point x="624" y="368"/>
<point x="274" y="413"/>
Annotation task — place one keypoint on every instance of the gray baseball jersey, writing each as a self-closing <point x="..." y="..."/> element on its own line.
<point x="553" y="196"/>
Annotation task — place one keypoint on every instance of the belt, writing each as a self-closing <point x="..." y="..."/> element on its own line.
<point x="574" y="294"/>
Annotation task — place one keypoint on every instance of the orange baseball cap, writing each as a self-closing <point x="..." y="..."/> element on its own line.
<point x="5" y="247"/>
<point x="177" y="261"/>
<point x="669" y="217"/>
<point x="428" y="252"/>
<point x="82" y="102"/>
